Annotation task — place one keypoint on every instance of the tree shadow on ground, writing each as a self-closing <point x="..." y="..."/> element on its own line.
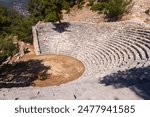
<point x="22" y="74"/>
<point x="137" y="79"/>
<point x="61" y="27"/>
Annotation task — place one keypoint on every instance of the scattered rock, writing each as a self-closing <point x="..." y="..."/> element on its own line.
<point x="16" y="98"/>
<point x="147" y="11"/>
<point x="26" y="50"/>
<point x="75" y="97"/>
<point x="38" y="93"/>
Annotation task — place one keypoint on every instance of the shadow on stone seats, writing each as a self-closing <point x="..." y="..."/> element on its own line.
<point x="22" y="74"/>
<point x="137" y="79"/>
<point x="61" y="27"/>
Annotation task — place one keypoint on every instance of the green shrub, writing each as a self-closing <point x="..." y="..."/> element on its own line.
<point x="7" y="48"/>
<point x="51" y="10"/>
<point x="113" y="9"/>
<point x="67" y="5"/>
<point x="12" y="23"/>
<point x="4" y="17"/>
<point x="47" y="10"/>
<point x="90" y="2"/>
<point x="100" y="7"/>
<point x="80" y="3"/>
<point x="116" y="8"/>
<point x="23" y="29"/>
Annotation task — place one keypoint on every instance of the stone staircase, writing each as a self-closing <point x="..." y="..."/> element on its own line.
<point x="103" y="49"/>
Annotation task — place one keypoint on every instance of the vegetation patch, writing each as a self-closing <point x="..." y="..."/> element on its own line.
<point x="112" y="9"/>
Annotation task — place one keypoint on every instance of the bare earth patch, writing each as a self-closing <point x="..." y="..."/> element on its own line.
<point x="62" y="69"/>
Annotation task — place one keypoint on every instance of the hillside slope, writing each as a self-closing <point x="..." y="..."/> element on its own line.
<point x="140" y="12"/>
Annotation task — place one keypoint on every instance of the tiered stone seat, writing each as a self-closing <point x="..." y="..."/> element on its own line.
<point x="102" y="49"/>
<point x="140" y="40"/>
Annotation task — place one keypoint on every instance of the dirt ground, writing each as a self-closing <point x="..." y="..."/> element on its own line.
<point x="61" y="69"/>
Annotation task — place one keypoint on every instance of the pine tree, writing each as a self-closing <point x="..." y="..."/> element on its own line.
<point x="47" y="10"/>
<point x="51" y="10"/>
